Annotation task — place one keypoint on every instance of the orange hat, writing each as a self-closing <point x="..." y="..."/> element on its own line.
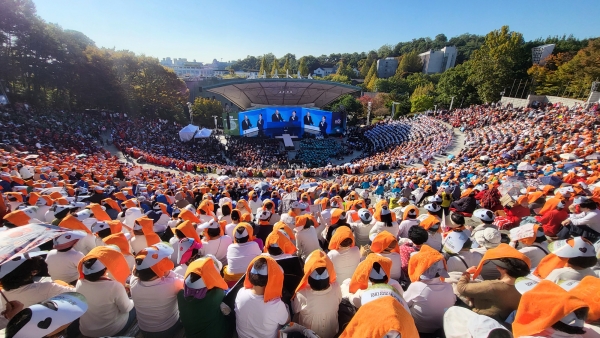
<point x="429" y="222"/>
<point x="115" y="226"/>
<point x="17" y="196"/>
<point x="360" y="278"/>
<point x="339" y="235"/>
<point x="543" y="306"/>
<point x="99" y="213"/>
<point x="382" y="206"/>
<point x="281" y="226"/>
<point x="206" y="206"/>
<point x="560" y="252"/>
<point x="56" y="195"/>
<point x="410" y="209"/>
<point x="522" y="199"/>
<point x="157" y="258"/>
<point x="247" y="231"/>
<point x="376" y="318"/>
<point x="337" y="215"/>
<point x="275" y="277"/>
<point x="209" y="275"/>
<point x="242" y="205"/>
<point x="132" y="203"/>
<point x="112" y="203"/>
<point x="120" y="241"/>
<point x="278" y="239"/>
<point x="71" y="222"/>
<point x="188" y="230"/>
<point x="108" y="258"/>
<point x="423" y="260"/>
<point x="146" y="225"/>
<point x="317" y="259"/>
<point x="534" y="196"/>
<point x="382" y="241"/>
<point x="306" y="219"/>
<point x="501" y="251"/>
<point x="17" y="217"/>
<point x="588" y="290"/>
<point x="188" y="215"/>
<point x="120" y="196"/>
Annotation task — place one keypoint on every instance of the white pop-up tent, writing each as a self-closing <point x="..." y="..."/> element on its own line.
<point x="203" y="133"/>
<point x="188" y="132"/>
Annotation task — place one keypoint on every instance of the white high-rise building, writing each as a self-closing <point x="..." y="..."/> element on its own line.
<point x="540" y="53"/>
<point x="438" y="61"/>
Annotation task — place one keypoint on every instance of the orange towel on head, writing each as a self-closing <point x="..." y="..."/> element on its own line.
<point x="382" y="241"/>
<point x="548" y="264"/>
<point x="376" y="318"/>
<point x="113" y="260"/>
<point x="407" y="210"/>
<point x="119" y="240"/>
<point x="275" y="278"/>
<point x="120" y="196"/>
<point x="588" y="290"/>
<point x="112" y="203"/>
<point x="115" y="226"/>
<point x="147" y="225"/>
<point x="534" y="196"/>
<point x="282" y="226"/>
<point x="161" y="267"/>
<point x="317" y="259"/>
<point x="205" y="268"/>
<point x="99" y="213"/>
<point x="242" y="205"/>
<point x="423" y="260"/>
<point x="501" y="251"/>
<point x="430" y="221"/>
<point x="206" y="206"/>
<point x="281" y="241"/>
<point x="550" y="205"/>
<point x="542" y="306"/>
<point x="339" y="236"/>
<point x="188" y="230"/>
<point x="188" y="215"/>
<point x="360" y="278"/>
<point x="306" y="219"/>
<point x="248" y="228"/>
<point x="17" y="217"/>
<point x="379" y="207"/>
<point x="71" y="222"/>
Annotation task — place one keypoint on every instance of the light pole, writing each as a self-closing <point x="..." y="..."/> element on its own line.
<point x="368" y="112"/>
<point x="451" y="103"/>
<point x="215" y="117"/>
<point x="394" y="103"/>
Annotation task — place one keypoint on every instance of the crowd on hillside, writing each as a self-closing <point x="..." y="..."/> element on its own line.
<point x="502" y="239"/>
<point x="256" y="153"/>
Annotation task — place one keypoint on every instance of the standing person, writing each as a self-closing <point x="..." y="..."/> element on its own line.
<point x="200" y="301"/>
<point x="308" y="119"/>
<point x="276" y="117"/>
<point x="246" y="124"/>
<point x="258" y="307"/>
<point x="154" y="289"/>
<point x="294" y="117"/>
<point x="323" y="126"/>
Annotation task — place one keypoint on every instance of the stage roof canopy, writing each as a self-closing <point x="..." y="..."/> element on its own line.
<point x="281" y="92"/>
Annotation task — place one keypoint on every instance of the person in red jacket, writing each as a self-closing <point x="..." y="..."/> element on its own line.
<point x="551" y="220"/>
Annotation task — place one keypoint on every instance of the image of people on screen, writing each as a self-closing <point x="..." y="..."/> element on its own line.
<point x="276" y="117"/>
<point x="294" y="117"/>
<point x="323" y="125"/>
<point x="260" y="123"/>
<point x="246" y="124"/>
<point x="308" y="119"/>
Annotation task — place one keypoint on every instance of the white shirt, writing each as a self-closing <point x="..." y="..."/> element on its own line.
<point x="590" y="218"/>
<point x="217" y="247"/>
<point x="428" y="300"/>
<point x="108" y="307"/>
<point x="361" y="232"/>
<point x="344" y="261"/>
<point x="306" y="241"/>
<point x="254" y="205"/>
<point x="568" y="273"/>
<point x="156" y="302"/>
<point x="405" y="226"/>
<point x="318" y="310"/>
<point x="63" y="265"/>
<point x="534" y="252"/>
<point x="256" y="319"/>
<point x="434" y="240"/>
<point x="239" y="256"/>
<point x="86" y="244"/>
<point x="380" y="227"/>
<point x="138" y="243"/>
<point x="454" y="263"/>
<point x="396" y="270"/>
<point x="229" y="229"/>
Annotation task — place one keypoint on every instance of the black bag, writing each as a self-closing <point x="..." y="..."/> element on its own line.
<point x="346" y="312"/>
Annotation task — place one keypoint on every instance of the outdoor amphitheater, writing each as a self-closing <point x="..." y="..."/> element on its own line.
<point x="394" y="193"/>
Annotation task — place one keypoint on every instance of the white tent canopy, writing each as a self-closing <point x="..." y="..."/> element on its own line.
<point x="188" y="132"/>
<point x="203" y="133"/>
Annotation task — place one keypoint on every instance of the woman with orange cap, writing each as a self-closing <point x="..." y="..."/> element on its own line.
<point x="143" y="234"/>
<point x="385" y="220"/>
<point x="154" y="289"/>
<point x="386" y="245"/>
<point x="306" y="235"/>
<point x="318" y="296"/>
<point x="344" y="254"/>
<point x="110" y="311"/>
<point x="279" y="246"/>
<point x="241" y="252"/>
<point x="200" y="300"/>
<point x="214" y="242"/>
<point x="259" y="310"/>
<point x="496" y="298"/>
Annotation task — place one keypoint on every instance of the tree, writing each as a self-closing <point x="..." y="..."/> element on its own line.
<point x="303" y="67"/>
<point x="204" y="110"/>
<point x="420" y="103"/>
<point x="410" y="63"/>
<point x="372" y="73"/>
<point x="493" y="64"/>
<point x="264" y="66"/>
<point x="384" y="51"/>
<point x="275" y="67"/>
<point x="454" y="82"/>
<point x="286" y="66"/>
<point x="349" y="103"/>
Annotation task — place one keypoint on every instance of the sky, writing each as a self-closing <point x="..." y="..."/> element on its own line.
<point x="232" y="29"/>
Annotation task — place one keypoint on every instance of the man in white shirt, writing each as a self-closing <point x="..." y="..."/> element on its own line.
<point x="410" y="221"/>
<point x="63" y="259"/>
<point x="215" y="243"/>
<point x="589" y="217"/>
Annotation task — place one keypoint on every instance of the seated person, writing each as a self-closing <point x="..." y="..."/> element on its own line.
<point x="241" y="252"/>
<point x="386" y="245"/>
<point x="62" y="261"/>
<point x="344" y="255"/>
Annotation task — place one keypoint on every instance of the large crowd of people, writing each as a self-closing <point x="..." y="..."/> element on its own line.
<point x="501" y="240"/>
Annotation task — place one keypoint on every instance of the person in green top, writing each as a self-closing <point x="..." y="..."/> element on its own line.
<point x="200" y="302"/>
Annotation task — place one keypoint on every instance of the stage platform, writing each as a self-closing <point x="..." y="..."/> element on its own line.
<point x="288" y="141"/>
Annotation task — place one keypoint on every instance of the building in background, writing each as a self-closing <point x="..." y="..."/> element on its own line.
<point x="386" y="67"/>
<point x="192" y="69"/>
<point x="540" y="53"/>
<point x="322" y="72"/>
<point x="438" y="61"/>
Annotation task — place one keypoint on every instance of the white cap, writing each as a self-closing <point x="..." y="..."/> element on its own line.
<point x="12" y="263"/>
<point x="212" y="224"/>
<point x="99" y="226"/>
<point x="316" y="276"/>
<point x="298" y="205"/>
<point x="96" y="267"/>
<point x="156" y="253"/>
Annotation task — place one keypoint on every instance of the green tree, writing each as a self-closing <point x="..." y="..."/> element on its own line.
<point x="303" y="67"/>
<point x="287" y="67"/>
<point x="492" y="65"/>
<point x="264" y="66"/>
<point x="275" y="67"/>
<point x="372" y="73"/>
<point x="454" y="82"/>
<point x="410" y="63"/>
<point x="204" y="110"/>
<point x="420" y="103"/>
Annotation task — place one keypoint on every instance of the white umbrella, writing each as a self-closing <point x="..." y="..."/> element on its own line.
<point x="484" y="158"/>
<point x="525" y="166"/>
<point x="568" y="156"/>
<point x="594" y="156"/>
<point x="222" y="178"/>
